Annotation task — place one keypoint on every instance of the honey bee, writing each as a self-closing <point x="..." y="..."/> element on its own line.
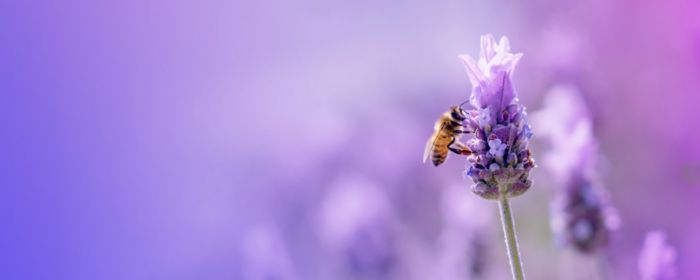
<point x="447" y="129"/>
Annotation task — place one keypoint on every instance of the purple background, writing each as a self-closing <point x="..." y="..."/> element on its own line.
<point x="160" y="139"/>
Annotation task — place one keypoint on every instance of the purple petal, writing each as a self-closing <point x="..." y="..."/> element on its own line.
<point x="488" y="46"/>
<point x="473" y="71"/>
<point x="486" y="191"/>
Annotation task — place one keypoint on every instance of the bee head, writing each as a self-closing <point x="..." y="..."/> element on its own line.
<point x="457" y="113"/>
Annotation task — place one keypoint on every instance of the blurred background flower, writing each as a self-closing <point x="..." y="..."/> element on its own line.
<point x="266" y="256"/>
<point x="582" y="215"/>
<point x="463" y="248"/>
<point x="657" y="261"/>
<point x="155" y="140"/>
<point x="357" y="225"/>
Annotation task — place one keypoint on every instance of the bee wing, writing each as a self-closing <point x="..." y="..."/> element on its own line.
<point x="429" y="147"/>
<point x="431" y="143"/>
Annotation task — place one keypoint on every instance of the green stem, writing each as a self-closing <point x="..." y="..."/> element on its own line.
<point x="516" y="265"/>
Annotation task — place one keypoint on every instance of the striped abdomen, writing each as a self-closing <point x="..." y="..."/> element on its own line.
<point x="440" y="150"/>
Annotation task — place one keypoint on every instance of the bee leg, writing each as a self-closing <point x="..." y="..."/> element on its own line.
<point x="463" y="130"/>
<point x="460" y="149"/>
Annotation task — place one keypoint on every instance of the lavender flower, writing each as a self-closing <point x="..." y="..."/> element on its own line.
<point x="581" y="213"/>
<point x="500" y="162"/>
<point x="657" y="260"/>
<point x="501" y="157"/>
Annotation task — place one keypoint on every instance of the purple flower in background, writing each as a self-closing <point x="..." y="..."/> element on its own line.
<point x="266" y="256"/>
<point x="565" y="123"/>
<point x="581" y="214"/>
<point x="461" y="245"/>
<point x="501" y="157"/>
<point x="657" y="260"/>
<point x="356" y="227"/>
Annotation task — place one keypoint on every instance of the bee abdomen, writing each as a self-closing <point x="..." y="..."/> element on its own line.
<point x="439" y="156"/>
<point x="438" y="161"/>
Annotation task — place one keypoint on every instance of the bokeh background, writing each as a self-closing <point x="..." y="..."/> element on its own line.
<point x="283" y="139"/>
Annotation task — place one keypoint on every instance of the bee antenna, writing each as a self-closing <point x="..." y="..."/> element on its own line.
<point x="465" y="102"/>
